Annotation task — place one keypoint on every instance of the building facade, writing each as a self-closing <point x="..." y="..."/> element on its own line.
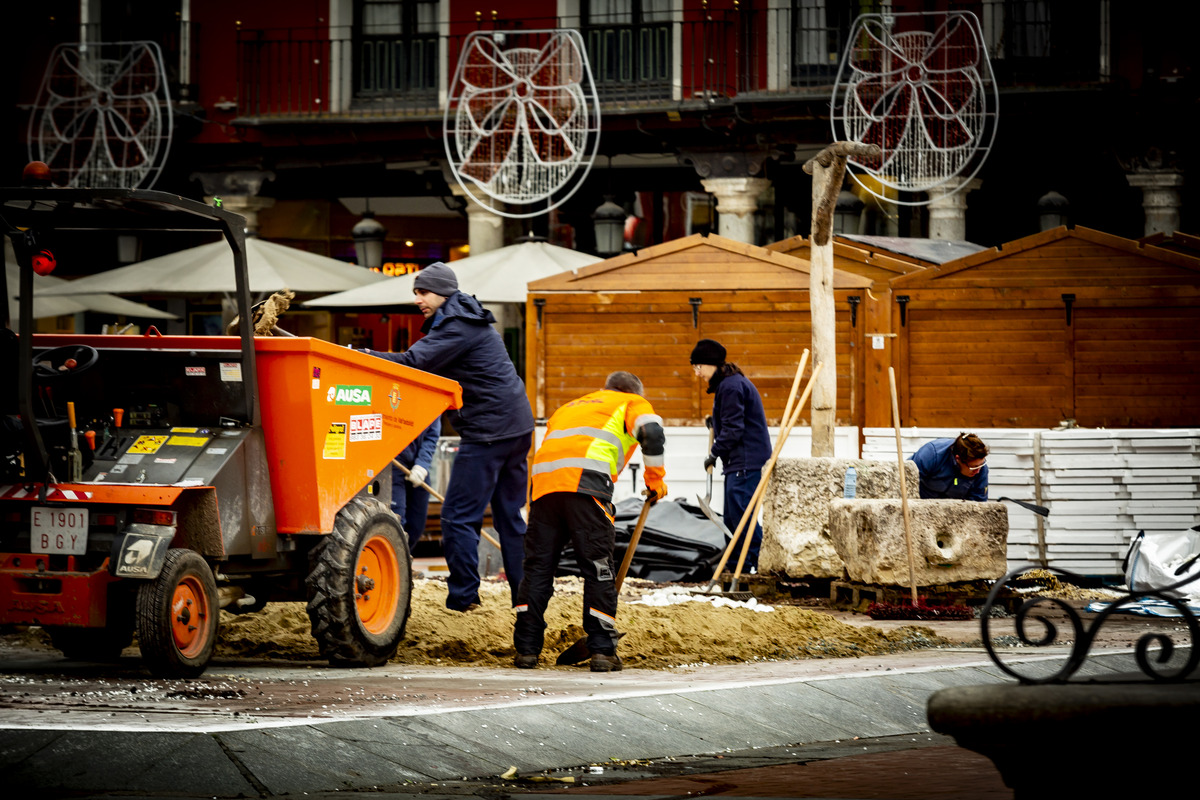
<point x="305" y="114"/>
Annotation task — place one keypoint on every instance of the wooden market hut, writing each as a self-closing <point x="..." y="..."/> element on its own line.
<point x="1064" y="324"/>
<point x="644" y="311"/>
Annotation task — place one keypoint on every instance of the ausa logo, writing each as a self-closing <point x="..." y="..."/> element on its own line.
<point x="349" y="395"/>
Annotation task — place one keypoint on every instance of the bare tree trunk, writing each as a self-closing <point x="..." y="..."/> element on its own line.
<point x="824" y="323"/>
<point x="828" y="168"/>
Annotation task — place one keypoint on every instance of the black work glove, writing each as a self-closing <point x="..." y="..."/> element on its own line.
<point x="710" y="462"/>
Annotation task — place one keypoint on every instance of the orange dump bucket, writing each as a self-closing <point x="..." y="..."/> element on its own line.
<point x="334" y="418"/>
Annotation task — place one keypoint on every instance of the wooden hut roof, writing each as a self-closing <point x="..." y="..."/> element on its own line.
<point x="851" y="257"/>
<point x="694" y="263"/>
<point x="1060" y="256"/>
<point x="1178" y="242"/>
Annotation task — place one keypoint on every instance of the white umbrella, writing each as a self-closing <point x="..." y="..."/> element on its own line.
<point x="208" y="269"/>
<point x="62" y="306"/>
<point x="497" y="276"/>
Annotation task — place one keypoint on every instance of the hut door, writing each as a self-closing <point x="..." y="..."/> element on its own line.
<point x="1137" y="367"/>
<point x="1009" y="368"/>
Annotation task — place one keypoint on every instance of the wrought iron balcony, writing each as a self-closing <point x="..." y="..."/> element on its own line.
<point x="724" y="55"/>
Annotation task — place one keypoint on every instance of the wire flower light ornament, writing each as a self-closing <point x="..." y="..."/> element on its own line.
<point x="103" y="122"/>
<point x="523" y="124"/>
<point x="920" y="87"/>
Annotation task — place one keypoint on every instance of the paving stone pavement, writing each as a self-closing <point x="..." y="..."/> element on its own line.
<point x="579" y="720"/>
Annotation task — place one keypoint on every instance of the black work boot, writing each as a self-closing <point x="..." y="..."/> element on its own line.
<point x="526" y="661"/>
<point x="606" y="662"/>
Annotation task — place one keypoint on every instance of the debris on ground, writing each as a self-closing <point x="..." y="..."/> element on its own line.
<point x="674" y="596"/>
<point x="1045" y="583"/>
<point x="921" y="611"/>
<point x="656" y="637"/>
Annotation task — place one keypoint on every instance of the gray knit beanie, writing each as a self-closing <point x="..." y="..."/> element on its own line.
<point x="437" y="278"/>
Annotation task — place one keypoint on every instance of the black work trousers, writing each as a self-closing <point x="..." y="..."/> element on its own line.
<point x="554" y="520"/>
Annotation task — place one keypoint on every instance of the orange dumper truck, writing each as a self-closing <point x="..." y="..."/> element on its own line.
<point x="146" y="482"/>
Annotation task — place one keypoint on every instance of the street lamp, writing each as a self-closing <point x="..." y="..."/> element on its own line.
<point x="369" y="234"/>
<point x="610" y="227"/>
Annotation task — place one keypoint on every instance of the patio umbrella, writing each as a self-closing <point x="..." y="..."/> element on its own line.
<point x="497" y="276"/>
<point x="208" y="269"/>
<point x="62" y="306"/>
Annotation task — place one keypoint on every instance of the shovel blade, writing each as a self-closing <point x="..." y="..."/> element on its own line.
<point x="577" y="653"/>
<point x="712" y="516"/>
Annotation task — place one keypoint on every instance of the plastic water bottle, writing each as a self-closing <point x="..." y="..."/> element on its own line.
<point x="850" y="483"/>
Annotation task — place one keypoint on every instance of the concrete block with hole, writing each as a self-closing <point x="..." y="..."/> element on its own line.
<point x="796" y="539"/>
<point x="952" y="540"/>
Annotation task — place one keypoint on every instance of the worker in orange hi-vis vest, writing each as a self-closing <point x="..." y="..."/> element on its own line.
<point x="588" y="442"/>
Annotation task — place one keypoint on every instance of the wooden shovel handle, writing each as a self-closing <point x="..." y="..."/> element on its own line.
<point x="633" y="543"/>
<point x="757" y="499"/>
<point x="491" y="539"/>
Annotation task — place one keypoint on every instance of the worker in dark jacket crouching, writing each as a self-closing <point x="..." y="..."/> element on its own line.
<point x="954" y="469"/>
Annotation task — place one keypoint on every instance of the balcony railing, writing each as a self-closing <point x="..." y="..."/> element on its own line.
<point x="796" y="52"/>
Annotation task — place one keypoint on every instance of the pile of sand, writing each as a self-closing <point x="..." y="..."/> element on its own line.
<point x="656" y="637"/>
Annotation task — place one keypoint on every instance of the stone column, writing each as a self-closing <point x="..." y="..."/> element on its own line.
<point x="1160" y="198"/>
<point x="737" y="200"/>
<point x="485" y="230"/>
<point x="948" y="209"/>
<point x="238" y="190"/>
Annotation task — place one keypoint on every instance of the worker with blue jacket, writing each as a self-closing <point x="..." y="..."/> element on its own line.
<point x="495" y="425"/>
<point x="740" y="436"/>
<point x="954" y="469"/>
<point x="410" y="499"/>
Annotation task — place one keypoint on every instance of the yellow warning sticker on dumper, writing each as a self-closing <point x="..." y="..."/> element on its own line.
<point x="335" y="441"/>
<point x="188" y="441"/>
<point x="147" y="444"/>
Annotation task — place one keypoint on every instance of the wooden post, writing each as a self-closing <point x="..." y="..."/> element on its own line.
<point x="828" y="169"/>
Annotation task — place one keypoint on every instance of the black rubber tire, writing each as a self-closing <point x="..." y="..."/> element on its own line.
<point x="341" y="633"/>
<point x="156" y="618"/>
<point x="92" y="644"/>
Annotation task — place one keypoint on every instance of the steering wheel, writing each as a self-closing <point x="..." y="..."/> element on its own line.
<point x="71" y="359"/>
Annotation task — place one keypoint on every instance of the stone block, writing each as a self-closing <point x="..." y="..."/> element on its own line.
<point x="952" y="540"/>
<point x="796" y="539"/>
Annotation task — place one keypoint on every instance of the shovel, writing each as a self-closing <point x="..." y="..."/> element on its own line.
<point x="434" y="494"/>
<point x="74" y="457"/>
<point x="579" y="651"/>
<point x="1041" y="511"/>
<point x="704" y="501"/>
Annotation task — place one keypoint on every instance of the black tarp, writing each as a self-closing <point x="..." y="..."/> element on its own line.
<point x="678" y="543"/>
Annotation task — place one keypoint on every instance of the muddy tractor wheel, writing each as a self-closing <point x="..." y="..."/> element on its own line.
<point x="360" y="585"/>
<point x="177" y="615"/>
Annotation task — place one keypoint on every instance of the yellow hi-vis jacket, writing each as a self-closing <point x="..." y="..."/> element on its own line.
<point x="590" y="440"/>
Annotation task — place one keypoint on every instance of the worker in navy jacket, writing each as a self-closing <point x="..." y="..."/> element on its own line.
<point x="954" y="469"/>
<point x="740" y="437"/>
<point x="495" y="424"/>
